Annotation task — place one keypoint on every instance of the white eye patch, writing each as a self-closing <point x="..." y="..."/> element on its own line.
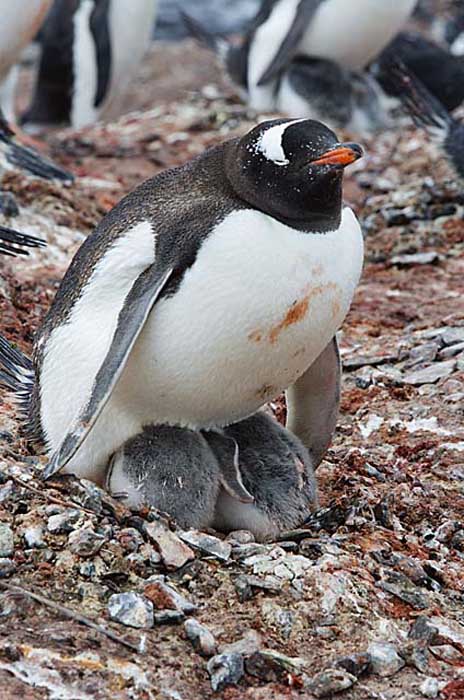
<point x="270" y="143"/>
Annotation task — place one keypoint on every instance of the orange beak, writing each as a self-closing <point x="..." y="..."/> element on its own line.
<point x="344" y="154"/>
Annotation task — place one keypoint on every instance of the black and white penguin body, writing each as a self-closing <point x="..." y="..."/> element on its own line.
<point x="201" y="296"/>
<point x="183" y="473"/>
<point x="20" y="21"/>
<point x="90" y="52"/>
<point x="15" y="243"/>
<point x="348" y="33"/>
<point x="14" y="155"/>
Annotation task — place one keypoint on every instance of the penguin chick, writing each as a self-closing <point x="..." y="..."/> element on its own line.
<point x="13" y="243"/>
<point x="276" y="469"/>
<point x="428" y="113"/>
<point x="15" y="155"/>
<point x="171" y="469"/>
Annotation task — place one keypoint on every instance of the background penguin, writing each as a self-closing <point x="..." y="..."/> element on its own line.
<point x="19" y="23"/>
<point x="181" y="473"/>
<point x="430" y="114"/>
<point x="14" y="155"/>
<point x="90" y="52"/>
<point x="351" y="34"/>
<point x="14" y="243"/>
<point x="151" y="323"/>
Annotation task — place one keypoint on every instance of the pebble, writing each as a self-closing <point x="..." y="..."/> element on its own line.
<point x="7" y="567"/>
<point x="6" y="540"/>
<point x="34" y="537"/>
<point x="87" y="494"/>
<point x="331" y="681"/>
<point x="357" y="664"/>
<point x="168" y="617"/>
<point x="225" y="669"/>
<point x="240" y="537"/>
<point x="63" y="522"/>
<point x="202" y="639"/>
<point x="430" y="688"/>
<point x="243" y="551"/>
<point x="130" y="539"/>
<point x="85" y="542"/>
<point x="131" y="609"/>
<point x="430" y="375"/>
<point x="412" y="259"/>
<point x="247" y="645"/>
<point x="271" y="666"/>
<point x="164" y="597"/>
<point x="385" y="660"/>
<point x="174" y="553"/>
<point x="220" y="549"/>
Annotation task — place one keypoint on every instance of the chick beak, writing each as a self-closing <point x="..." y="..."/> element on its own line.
<point x="344" y="154"/>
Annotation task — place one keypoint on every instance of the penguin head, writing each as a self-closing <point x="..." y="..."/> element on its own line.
<point x="292" y="170"/>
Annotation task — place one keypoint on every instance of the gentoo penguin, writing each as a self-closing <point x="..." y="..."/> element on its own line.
<point x="90" y="52"/>
<point x="13" y="243"/>
<point x="440" y="71"/>
<point x="351" y="34"/>
<point x="20" y="21"/>
<point x="201" y="296"/>
<point x="181" y="472"/>
<point x="428" y="113"/>
<point x="15" y="155"/>
<point x="320" y="89"/>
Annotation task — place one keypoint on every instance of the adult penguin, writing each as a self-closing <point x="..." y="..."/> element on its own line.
<point x="20" y="21"/>
<point x="91" y="50"/>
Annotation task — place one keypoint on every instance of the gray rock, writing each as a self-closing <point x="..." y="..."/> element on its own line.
<point x="63" y="522"/>
<point x="282" y="619"/>
<point x="130" y="539"/>
<point x="385" y="659"/>
<point x="87" y="494"/>
<point x="164" y="597"/>
<point x="6" y="540"/>
<point x="174" y="553"/>
<point x="451" y="351"/>
<point x="402" y="587"/>
<point x="356" y="664"/>
<point x="430" y="688"/>
<point x="272" y="667"/>
<point x="131" y="609"/>
<point x="85" y="542"/>
<point x="426" y="352"/>
<point x="34" y="537"/>
<point x="409" y="260"/>
<point x="220" y="549"/>
<point x="331" y="681"/>
<point x="453" y="335"/>
<point x="243" y="551"/>
<point x="7" y="567"/>
<point x="430" y="375"/>
<point x="423" y="630"/>
<point x="168" y="617"/>
<point x="240" y="537"/>
<point x="6" y="490"/>
<point x="248" y="585"/>
<point x="225" y="669"/>
<point x="202" y="639"/>
<point x="247" y="645"/>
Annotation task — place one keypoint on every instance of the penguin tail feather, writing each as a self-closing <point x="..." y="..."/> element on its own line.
<point x="426" y="111"/>
<point x="13" y="242"/>
<point x="17" y="375"/>
<point x="34" y="163"/>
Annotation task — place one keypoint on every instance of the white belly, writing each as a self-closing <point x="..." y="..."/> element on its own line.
<point x="256" y="309"/>
<point x="354" y="32"/>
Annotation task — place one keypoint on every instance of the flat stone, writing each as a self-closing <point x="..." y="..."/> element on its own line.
<point x="271" y="666"/>
<point x="85" y="542"/>
<point x="385" y="659"/>
<point x="412" y="259"/>
<point x="423" y="630"/>
<point x="164" y="597"/>
<point x="247" y="645"/>
<point x="356" y="664"/>
<point x="65" y="522"/>
<point x="453" y="335"/>
<point x="131" y="609"/>
<point x="451" y="351"/>
<point x="6" y="540"/>
<point x="202" y="639"/>
<point x="220" y="549"/>
<point x="168" y="617"/>
<point x="244" y="551"/>
<point x="225" y="669"/>
<point x="331" y="681"/>
<point x="426" y="352"/>
<point x="430" y="375"/>
<point x="174" y="553"/>
<point x="400" y="586"/>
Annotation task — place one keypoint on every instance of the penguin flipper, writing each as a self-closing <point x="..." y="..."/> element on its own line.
<point x="131" y="320"/>
<point x="289" y="46"/>
<point x="227" y="453"/>
<point x="313" y="401"/>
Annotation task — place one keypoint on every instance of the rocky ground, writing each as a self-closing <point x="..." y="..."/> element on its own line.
<point x="367" y="599"/>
